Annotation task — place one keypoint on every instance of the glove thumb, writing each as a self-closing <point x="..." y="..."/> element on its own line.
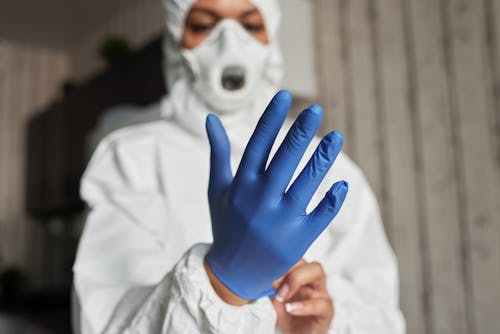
<point x="220" y="153"/>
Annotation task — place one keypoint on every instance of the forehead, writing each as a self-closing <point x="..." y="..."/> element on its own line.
<point x="224" y="8"/>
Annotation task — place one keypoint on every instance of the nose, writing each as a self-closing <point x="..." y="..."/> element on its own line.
<point x="233" y="78"/>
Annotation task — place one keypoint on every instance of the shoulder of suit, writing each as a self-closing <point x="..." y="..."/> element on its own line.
<point x="145" y="136"/>
<point x="156" y="131"/>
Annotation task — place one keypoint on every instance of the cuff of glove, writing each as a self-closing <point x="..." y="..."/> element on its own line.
<point x="193" y="279"/>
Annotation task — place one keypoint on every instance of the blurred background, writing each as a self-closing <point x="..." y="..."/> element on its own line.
<point x="413" y="84"/>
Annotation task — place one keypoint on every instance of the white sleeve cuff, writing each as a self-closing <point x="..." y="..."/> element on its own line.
<point x="218" y="316"/>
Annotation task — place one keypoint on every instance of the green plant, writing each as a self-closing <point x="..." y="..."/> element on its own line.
<point x="113" y="49"/>
<point x="68" y="86"/>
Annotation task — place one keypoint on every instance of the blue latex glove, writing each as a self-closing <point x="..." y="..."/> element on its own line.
<point x="260" y="231"/>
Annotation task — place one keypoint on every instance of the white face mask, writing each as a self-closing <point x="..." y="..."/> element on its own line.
<point x="228" y="67"/>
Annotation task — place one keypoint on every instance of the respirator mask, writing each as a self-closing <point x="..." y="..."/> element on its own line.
<point x="228" y="68"/>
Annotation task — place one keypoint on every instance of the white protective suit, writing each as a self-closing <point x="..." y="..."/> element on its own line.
<point x="139" y="267"/>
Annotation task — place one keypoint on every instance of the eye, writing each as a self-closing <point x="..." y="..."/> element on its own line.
<point x="201" y="28"/>
<point x="253" y="27"/>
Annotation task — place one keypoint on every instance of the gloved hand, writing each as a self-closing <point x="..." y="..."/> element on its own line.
<point x="259" y="230"/>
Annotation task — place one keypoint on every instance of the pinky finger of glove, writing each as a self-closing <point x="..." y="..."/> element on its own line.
<point x="328" y="208"/>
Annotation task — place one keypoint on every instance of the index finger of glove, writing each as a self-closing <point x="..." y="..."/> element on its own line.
<point x="259" y="146"/>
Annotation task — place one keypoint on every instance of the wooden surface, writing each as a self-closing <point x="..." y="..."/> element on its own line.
<point x="29" y="78"/>
<point x="415" y="86"/>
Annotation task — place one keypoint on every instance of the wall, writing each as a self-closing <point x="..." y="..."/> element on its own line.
<point x="297" y="44"/>
<point x="30" y="77"/>
<point x="138" y="21"/>
<point x="415" y="87"/>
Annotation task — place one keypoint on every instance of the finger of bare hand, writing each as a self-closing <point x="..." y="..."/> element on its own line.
<point x="308" y="292"/>
<point x="280" y="280"/>
<point x="320" y="307"/>
<point x="307" y="274"/>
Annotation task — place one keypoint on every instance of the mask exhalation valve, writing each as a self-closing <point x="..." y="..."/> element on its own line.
<point x="233" y="78"/>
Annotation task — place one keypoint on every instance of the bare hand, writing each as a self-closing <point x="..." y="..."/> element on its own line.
<point x="303" y="304"/>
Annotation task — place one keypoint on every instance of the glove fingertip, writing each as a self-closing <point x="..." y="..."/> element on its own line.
<point x="316" y="109"/>
<point x="211" y="122"/>
<point x="208" y="125"/>
<point x="278" y="108"/>
<point x="328" y="208"/>
<point x="338" y="137"/>
<point x="215" y="131"/>
<point x="282" y="96"/>
<point x="337" y="194"/>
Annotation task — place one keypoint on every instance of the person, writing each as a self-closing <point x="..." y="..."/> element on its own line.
<point x="258" y="254"/>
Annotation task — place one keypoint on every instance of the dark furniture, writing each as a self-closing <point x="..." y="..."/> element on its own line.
<point x="56" y="151"/>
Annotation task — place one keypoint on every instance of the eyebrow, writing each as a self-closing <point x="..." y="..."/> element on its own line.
<point x="249" y="12"/>
<point x="206" y="11"/>
<point x="215" y="15"/>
